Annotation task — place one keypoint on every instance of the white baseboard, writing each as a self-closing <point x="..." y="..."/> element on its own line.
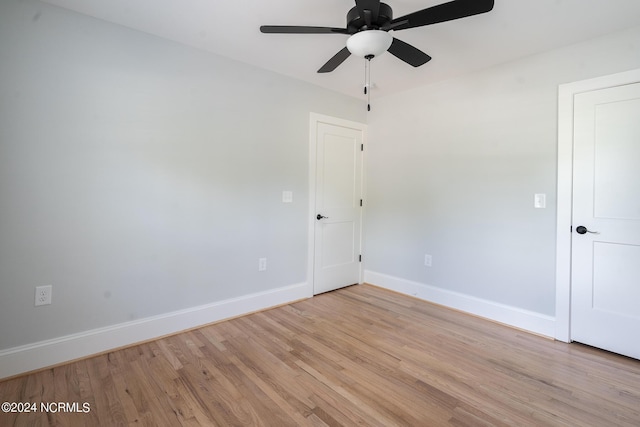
<point x="513" y="316"/>
<point x="31" y="357"/>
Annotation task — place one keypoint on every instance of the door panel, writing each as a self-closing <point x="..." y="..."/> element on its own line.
<point x="622" y="295"/>
<point x="339" y="167"/>
<point x="338" y="243"/>
<point x="605" y="270"/>
<point x="338" y="194"/>
<point x="617" y="152"/>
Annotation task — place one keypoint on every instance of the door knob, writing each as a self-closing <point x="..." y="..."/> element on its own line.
<point x="319" y="217"/>
<point x="581" y="229"/>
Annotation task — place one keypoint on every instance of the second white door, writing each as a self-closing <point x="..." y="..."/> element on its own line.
<point x="605" y="268"/>
<point x="338" y="200"/>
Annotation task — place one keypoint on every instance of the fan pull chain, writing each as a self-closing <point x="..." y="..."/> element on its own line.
<point x="367" y="80"/>
<point x="369" y="85"/>
<point x="366" y="66"/>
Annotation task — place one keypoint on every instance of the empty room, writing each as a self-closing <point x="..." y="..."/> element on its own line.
<point x="411" y="213"/>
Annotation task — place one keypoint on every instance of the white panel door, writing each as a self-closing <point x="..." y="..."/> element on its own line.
<point x="605" y="268"/>
<point x="338" y="210"/>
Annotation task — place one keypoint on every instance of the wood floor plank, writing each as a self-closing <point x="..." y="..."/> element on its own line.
<point x="357" y="356"/>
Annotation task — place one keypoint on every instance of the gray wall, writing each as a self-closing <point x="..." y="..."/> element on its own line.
<point x="452" y="169"/>
<point x="139" y="176"/>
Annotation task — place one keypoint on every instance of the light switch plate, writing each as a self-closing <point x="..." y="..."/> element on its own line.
<point x="540" y="201"/>
<point x="287" y="197"/>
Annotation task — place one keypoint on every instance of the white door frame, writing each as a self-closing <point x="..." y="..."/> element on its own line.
<point x="566" y="93"/>
<point x="314" y="119"/>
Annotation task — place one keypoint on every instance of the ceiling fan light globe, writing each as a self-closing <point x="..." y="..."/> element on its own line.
<point x="369" y="43"/>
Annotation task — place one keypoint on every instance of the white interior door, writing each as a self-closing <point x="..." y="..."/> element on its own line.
<point x="337" y="215"/>
<point x="605" y="267"/>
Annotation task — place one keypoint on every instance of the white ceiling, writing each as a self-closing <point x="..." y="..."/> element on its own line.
<point x="514" y="29"/>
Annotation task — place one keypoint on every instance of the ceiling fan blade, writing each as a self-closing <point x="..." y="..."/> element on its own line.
<point x="408" y="53"/>
<point x="441" y="13"/>
<point x="336" y="60"/>
<point x="368" y="10"/>
<point x="293" y="29"/>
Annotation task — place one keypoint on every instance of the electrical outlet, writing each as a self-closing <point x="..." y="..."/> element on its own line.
<point x="43" y="295"/>
<point x="262" y="264"/>
<point x="427" y="260"/>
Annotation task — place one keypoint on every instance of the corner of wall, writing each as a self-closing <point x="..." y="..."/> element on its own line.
<point x="536" y="323"/>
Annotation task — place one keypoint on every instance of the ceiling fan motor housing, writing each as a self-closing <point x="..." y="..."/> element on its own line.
<point x="356" y="23"/>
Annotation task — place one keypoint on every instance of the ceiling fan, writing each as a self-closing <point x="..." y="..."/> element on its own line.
<point x="369" y="23"/>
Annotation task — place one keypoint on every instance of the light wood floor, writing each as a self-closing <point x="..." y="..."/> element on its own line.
<point x="358" y="356"/>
